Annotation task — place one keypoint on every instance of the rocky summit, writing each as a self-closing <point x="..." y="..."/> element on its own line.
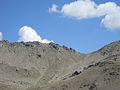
<point x="38" y="66"/>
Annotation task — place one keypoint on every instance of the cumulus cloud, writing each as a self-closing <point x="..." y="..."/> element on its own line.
<point x="80" y="9"/>
<point x="112" y="21"/>
<point x="53" y="8"/>
<point x="1" y="35"/>
<point x="84" y="9"/>
<point x="28" y="34"/>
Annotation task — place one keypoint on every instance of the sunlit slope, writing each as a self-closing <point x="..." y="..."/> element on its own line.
<point x="101" y="71"/>
<point x="33" y="63"/>
<point x="37" y="66"/>
<point x="102" y="76"/>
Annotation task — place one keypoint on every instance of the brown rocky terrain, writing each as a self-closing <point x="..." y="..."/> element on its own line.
<point x="37" y="66"/>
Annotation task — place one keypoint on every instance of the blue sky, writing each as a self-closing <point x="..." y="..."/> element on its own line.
<point x="83" y="35"/>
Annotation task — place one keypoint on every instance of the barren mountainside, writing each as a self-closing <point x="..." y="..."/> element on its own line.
<point x="38" y="66"/>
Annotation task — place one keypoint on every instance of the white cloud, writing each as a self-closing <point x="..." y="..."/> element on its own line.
<point x="1" y="36"/>
<point x="84" y="9"/>
<point x="28" y="34"/>
<point x="53" y="8"/>
<point x="112" y="21"/>
<point x="80" y="9"/>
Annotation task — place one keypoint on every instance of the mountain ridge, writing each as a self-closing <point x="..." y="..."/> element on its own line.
<point x="37" y="66"/>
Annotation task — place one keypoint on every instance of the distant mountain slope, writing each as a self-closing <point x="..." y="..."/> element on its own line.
<point x="37" y="66"/>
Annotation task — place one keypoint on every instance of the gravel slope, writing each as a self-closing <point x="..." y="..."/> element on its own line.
<point x="37" y="66"/>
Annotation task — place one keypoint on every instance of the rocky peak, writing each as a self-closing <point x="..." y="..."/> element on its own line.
<point x="110" y="49"/>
